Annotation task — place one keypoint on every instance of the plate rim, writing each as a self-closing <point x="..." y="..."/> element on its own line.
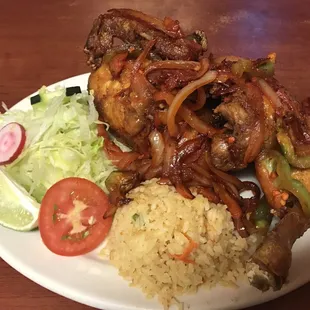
<point x="72" y="293"/>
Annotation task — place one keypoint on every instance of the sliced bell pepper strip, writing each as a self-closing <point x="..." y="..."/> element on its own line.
<point x="285" y="181"/>
<point x="263" y="68"/>
<point x="289" y="152"/>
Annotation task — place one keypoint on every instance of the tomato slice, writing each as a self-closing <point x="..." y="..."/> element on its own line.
<point x="71" y="217"/>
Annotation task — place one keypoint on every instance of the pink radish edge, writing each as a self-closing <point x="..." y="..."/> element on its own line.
<point x="12" y="142"/>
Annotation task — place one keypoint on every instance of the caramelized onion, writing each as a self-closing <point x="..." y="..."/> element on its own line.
<point x="165" y="96"/>
<point x="160" y="118"/>
<point x="153" y="172"/>
<point x="194" y="157"/>
<point x="251" y="186"/>
<point x="119" y="158"/>
<point x="208" y="193"/>
<point x="189" y="134"/>
<point x="204" y="67"/>
<point x="173" y="158"/>
<point x="189" y="116"/>
<point x="240" y="227"/>
<point x="233" y="207"/>
<point x="143" y="166"/>
<point x="171" y="77"/>
<point x="188" y="148"/>
<point x="201" y="100"/>
<point x="184" y="191"/>
<point x="233" y="191"/>
<point x="198" y="180"/>
<point x="269" y="93"/>
<point x="172" y="65"/>
<point x="157" y="147"/>
<point x="232" y="204"/>
<point x="141" y="58"/>
<point x="182" y="95"/>
<point x="195" y="122"/>
<point x="201" y="171"/>
<point x="170" y="149"/>
<point x="125" y="159"/>
<point x="250" y="204"/>
<point x="117" y="63"/>
<point x="223" y="175"/>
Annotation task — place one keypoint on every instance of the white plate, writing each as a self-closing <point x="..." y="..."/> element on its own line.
<point x="94" y="282"/>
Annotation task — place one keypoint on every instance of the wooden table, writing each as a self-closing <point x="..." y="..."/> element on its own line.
<point x="42" y="41"/>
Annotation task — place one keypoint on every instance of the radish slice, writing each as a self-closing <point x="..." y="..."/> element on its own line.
<point x="12" y="142"/>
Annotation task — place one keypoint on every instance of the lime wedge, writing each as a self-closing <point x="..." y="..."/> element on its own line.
<point x="18" y="210"/>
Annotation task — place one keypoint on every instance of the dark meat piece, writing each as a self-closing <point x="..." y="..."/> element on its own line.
<point x="251" y="117"/>
<point x="228" y="150"/>
<point x="228" y="154"/>
<point x="295" y="118"/>
<point x="297" y="125"/>
<point x="233" y="109"/>
<point x="122" y="94"/>
<point x="123" y="103"/>
<point x="171" y="79"/>
<point x="288" y="102"/>
<point x="168" y="75"/>
<point x="270" y="264"/>
<point x="220" y="152"/>
<point x="134" y="31"/>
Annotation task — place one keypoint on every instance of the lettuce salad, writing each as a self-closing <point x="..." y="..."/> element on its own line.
<point x="61" y="142"/>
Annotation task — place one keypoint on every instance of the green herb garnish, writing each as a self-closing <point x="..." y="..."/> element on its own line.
<point x="135" y="216"/>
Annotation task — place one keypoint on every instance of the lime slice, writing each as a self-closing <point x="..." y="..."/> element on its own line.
<point x="18" y="210"/>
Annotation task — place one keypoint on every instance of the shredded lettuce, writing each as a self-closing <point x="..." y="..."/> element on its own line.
<point x="61" y="142"/>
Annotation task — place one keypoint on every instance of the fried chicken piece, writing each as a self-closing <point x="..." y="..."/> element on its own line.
<point x="122" y="93"/>
<point x="124" y="103"/>
<point x="136" y="28"/>
<point x="270" y="264"/>
<point x="228" y="150"/>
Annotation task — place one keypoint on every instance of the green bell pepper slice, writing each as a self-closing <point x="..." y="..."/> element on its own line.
<point x="287" y="147"/>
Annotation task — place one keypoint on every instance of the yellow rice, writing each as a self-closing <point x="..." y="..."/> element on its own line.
<point x="154" y="225"/>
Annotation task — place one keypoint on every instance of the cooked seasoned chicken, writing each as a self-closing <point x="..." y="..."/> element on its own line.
<point x="123" y="102"/>
<point x="227" y="154"/>
<point x="270" y="264"/>
<point x="137" y="28"/>
<point x="123" y="95"/>
<point x="229" y="150"/>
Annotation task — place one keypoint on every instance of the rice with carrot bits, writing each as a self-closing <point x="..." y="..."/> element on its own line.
<point x="169" y="246"/>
